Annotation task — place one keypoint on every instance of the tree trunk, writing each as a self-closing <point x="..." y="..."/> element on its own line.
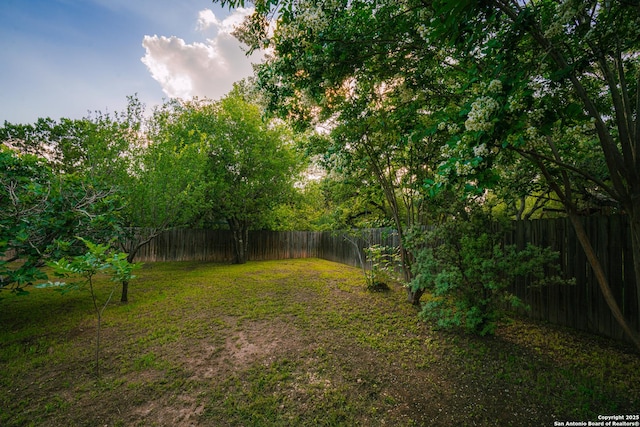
<point x="414" y="296"/>
<point x="620" y="153"/>
<point x="134" y="245"/>
<point x="124" y="298"/>
<point x="240" y="232"/>
<point x="407" y="261"/>
<point x="602" y="279"/>
<point x="634" y="221"/>
<point x="583" y="238"/>
<point x="406" y="258"/>
<point x="389" y="190"/>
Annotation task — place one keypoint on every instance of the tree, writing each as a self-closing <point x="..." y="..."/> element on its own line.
<point x="353" y="199"/>
<point x="90" y="159"/>
<point x="153" y="173"/>
<point x="150" y="178"/>
<point x="24" y="186"/>
<point x="304" y="210"/>
<point x="161" y="186"/>
<point x="361" y="69"/>
<point x="568" y="99"/>
<point x="41" y="213"/>
<point x="97" y="146"/>
<point x="250" y="164"/>
<point x="382" y="146"/>
<point x="97" y="259"/>
<point x="531" y="77"/>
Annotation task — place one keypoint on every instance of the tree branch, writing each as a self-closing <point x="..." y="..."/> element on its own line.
<point x="530" y="154"/>
<point x="614" y="159"/>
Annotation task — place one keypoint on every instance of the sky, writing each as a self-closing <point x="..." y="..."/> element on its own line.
<point x="66" y="58"/>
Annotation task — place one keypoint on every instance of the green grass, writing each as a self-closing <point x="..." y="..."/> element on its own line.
<point x="287" y="343"/>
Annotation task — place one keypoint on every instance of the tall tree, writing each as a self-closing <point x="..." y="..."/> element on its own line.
<point x="162" y="180"/>
<point x="566" y="86"/>
<point x="132" y="158"/>
<point x="388" y="148"/>
<point x="156" y="176"/>
<point x="363" y="69"/>
<point x="250" y="164"/>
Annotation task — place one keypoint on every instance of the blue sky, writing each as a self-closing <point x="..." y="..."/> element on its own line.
<point x="64" y="58"/>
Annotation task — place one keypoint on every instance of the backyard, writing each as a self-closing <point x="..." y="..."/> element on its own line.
<point x="291" y="343"/>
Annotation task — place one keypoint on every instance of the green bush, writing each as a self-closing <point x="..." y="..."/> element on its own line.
<point x="466" y="269"/>
<point x="385" y="260"/>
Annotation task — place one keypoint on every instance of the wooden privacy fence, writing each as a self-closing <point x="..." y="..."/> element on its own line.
<point x="216" y="245"/>
<point x="580" y="306"/>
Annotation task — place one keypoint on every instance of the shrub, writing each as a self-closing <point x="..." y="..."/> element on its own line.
<point x="466" y="268"/>
<point x="385" y="260"/>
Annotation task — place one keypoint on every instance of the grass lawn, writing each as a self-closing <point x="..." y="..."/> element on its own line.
<point x="290" y="343"/>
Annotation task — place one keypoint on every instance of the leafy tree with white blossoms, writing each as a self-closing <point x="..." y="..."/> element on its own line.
<point x="348" y="63"/>
<point x="569" y="100"/>
<point x="555" y="82"/>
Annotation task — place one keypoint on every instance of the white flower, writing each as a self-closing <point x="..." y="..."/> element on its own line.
<point x="531" y="132"/>
<point x="453" y="128"/>
<point x="479" y="117"/>
<point x="480" y="150"/>
<point x="463" y="168"/>
<point x="515" y="103"/>
<point x="423" y="31"/>
<point x="495" y="86"/>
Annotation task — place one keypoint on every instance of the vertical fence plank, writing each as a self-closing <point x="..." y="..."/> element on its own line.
<point x="616" y="268"/>
<point x="631" y="288"/>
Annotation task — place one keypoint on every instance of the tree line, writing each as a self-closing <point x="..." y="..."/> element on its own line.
<point x="122" y="179"/>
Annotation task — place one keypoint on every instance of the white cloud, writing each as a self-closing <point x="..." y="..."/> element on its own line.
<point x="206" y="19"/>
<point x="204" y="69"/>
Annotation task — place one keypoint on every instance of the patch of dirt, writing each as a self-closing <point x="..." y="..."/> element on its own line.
<point x="182" y="411"/>
<point x="233" y="349"/>
<point x="239" y="346"/>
